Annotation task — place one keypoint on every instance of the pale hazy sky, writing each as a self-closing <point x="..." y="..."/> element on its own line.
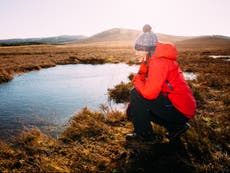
<point x="41" y="18"/>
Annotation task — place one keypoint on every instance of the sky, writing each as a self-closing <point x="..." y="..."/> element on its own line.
<point x="43" y="18"/>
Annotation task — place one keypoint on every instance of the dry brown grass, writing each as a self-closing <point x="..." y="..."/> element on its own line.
<point x="95" y="142"/>
<point x="92" y="142"/>
<point x="20" y="59"/>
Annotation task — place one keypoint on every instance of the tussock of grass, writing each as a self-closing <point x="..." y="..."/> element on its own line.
<point x="86" y="125"/>
<point x="120" y="93"/>
<point x="5" y="76"/>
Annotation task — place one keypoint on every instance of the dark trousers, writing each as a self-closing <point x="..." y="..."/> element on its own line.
<point x="160" y="111"/>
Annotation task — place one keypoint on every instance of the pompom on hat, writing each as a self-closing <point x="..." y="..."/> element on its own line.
<point x="147" y="40"/>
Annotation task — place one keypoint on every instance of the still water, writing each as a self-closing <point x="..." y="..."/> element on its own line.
<point x="53" y="95"/>
<point x="223" y="57"/>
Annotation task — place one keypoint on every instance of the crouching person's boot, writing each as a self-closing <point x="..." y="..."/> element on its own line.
<point x="175" y="133"/>
<point x="143" y="137"/>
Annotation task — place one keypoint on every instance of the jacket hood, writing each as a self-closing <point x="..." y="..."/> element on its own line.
<point x="165" y="50"/>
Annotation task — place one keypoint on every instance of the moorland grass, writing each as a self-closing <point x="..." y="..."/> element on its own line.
<point x="94" y="141"/>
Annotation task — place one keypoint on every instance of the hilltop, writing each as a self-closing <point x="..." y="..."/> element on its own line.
<point x="115" y="34"/>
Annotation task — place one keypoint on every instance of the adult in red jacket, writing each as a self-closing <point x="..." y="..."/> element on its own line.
<point x="160" y="92"/>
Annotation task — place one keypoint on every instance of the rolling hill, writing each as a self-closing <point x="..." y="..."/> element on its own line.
<point x="115" y="34"/>
<point x="205" y="41"/>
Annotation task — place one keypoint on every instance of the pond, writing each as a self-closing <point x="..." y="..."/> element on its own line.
<point x="53" y="95"/>
<point x="223" y="57"/>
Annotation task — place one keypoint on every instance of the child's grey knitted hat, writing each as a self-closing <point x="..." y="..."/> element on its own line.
<point x="147" y="40"/>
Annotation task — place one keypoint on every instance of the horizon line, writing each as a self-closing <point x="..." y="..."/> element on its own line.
<point x="57" y="35"/>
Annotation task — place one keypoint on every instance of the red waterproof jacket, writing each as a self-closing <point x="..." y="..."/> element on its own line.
<point x="163" y="67"/>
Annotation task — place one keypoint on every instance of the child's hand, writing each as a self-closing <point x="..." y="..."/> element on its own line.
<point x="143" y="67"/>
<point x="143" y="70"/>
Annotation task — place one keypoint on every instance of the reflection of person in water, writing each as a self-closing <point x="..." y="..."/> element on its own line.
<point x="160" y="92"/>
